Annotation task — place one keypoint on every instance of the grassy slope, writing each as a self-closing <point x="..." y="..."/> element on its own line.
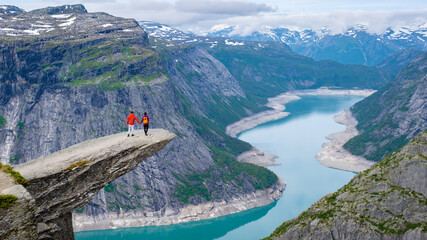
<point x="227" y="171"/>
<point x="380" y="115"/>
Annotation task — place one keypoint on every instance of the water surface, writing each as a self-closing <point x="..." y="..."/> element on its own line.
<point x="295" y="139"/>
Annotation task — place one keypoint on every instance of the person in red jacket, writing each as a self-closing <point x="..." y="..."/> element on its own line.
<point x="131" y="122"/>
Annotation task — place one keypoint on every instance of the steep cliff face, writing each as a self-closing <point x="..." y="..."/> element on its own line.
<point x="389" y="118"/>
<point x="79" y="81"/>
<point x="18" y="220"/>
<point x="68" y="179"/>
<point x="387" y="201"/>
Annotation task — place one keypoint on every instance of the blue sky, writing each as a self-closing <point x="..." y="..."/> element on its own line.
<point x="251" y="15"/>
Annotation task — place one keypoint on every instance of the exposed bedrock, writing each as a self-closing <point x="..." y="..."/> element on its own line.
<point x="70" y="178"/>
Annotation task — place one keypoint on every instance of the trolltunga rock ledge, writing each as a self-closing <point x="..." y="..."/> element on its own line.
<point x="68" y="179"/>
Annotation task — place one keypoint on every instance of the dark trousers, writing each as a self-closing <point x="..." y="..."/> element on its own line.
<point x="146" y="128"/>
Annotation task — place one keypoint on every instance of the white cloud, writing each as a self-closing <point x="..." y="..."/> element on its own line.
<point x="147" y="5"/>
<point x="222" y="7"/>
<point x="253" y="15"/>
<point x="337" y="22"/>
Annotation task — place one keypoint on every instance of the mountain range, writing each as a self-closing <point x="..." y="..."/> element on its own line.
<point x="266" y="69"/>
<point x="69" y="75"/>
<point x="356" y="45"/>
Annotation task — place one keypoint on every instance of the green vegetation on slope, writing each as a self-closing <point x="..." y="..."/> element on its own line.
<point x="77" y="165"/>
<point x="213" y="129"/>
<point x="16" y="175"/>
<point x="106" y="63"/>
<point x="7" y="200"/>
<point x="2" y="121"/>
<point x="112" y="65"/>
<point x="220" y="112"/>
<point x="267" y="72"/>
<point x="227" y="171"/>
<point x="380" y="199"/>
<point x="381" y="116"/>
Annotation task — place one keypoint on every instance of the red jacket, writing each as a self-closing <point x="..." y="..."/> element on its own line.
<point x="131" y="119"/>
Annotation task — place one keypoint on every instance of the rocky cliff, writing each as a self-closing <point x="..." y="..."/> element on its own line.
<point x="66" y="180"/>
<point x="387" y="201"/>
<point x="398" y="61"/>
<point x="393" y="115"/>
<point x="68" y="76"/>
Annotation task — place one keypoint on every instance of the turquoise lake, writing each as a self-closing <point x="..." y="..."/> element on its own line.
<point x="295" y="140"/>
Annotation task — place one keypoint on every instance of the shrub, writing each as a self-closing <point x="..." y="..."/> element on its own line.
<point x="16" y="175"/>
<point x="2" y="121"/>
<point x="7" y="200"/>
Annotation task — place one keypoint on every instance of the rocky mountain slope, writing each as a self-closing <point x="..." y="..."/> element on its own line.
<point x="389" y="118"/>
<point x="387" y="201"/>
<point x="68" y="76"/>
<point x="398" y="61"/>
<point x="356" y="45"/>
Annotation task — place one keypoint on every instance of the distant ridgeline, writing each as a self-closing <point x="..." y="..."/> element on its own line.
<point x="391" y="117"/>
<point x="355" y="45"/>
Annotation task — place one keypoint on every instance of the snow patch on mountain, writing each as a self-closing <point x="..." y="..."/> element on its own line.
<point x="231" y="43"/>
<point x="298" y="36"/>
<point x="220" y="27"/>
<point x="68" y="22"/>
<point x="61" y="16"/>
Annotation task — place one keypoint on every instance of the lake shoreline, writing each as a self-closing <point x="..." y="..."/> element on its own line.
<point x="278" y="107"/>
<point x="332" y="154"/>
<point x="189" y="213"/>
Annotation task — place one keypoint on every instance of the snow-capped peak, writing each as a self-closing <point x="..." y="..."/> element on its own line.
<point x="220" y="27"/>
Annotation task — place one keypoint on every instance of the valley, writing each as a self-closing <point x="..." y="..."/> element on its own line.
<point x="69" y="75"/>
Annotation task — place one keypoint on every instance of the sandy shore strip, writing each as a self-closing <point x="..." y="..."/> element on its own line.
<point x="277" y="112"/>
<point x="334" y="155"/>
<point x="277" y="104"/>
<point x="258" y="157"/>
<point x="328" y="91"/>
<point x="189" y="213"/>
<point x="278" y="107"/>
